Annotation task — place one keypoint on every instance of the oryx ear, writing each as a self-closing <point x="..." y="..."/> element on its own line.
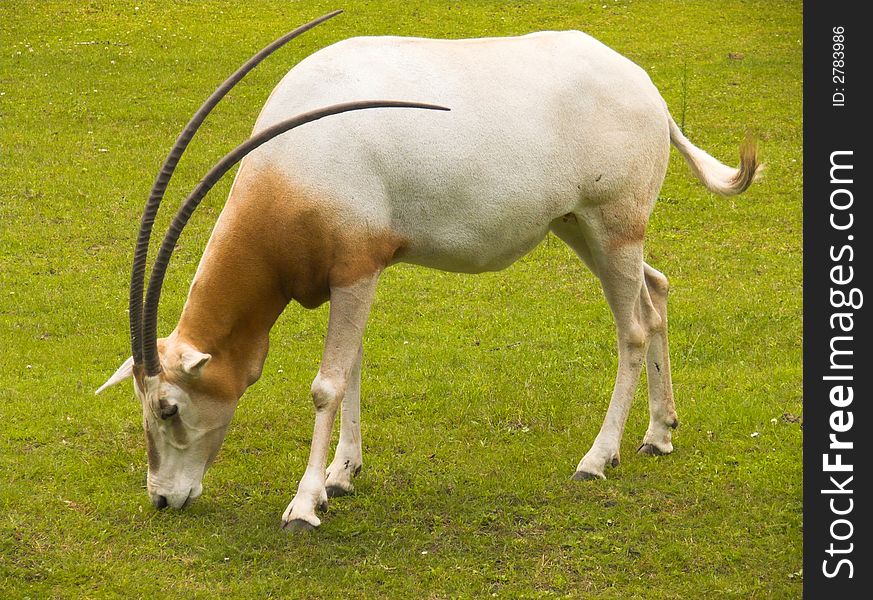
<point x="123" y="372"/>
<point x="192" y="361"/>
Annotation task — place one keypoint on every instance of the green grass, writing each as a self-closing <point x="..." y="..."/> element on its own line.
<point x="480" y="393"/>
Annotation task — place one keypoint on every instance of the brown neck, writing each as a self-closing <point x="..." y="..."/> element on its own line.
<point x="273" y="243"/>
<point x="235" y="299"/>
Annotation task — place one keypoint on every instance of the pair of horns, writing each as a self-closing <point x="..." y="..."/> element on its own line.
<point x="144" y="315"/>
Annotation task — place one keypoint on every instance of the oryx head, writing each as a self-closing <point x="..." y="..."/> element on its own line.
<point x="187" y="395"/>
<point x="186" y="408"/>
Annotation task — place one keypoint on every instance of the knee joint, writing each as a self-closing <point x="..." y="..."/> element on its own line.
<point x="658" y="283"/>
<point x="635" y="337"/>
<point x="639" y="333"/>
<point x="326" y="392"/>
<point x="654" y="323"/>
<point x="651" y="319"/>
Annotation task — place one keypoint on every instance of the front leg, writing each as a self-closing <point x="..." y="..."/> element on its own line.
<point x="349" y="308"/>
<point x="348" y="459"/>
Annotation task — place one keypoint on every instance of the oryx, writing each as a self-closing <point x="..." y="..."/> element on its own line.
<point x="551" y="131"/>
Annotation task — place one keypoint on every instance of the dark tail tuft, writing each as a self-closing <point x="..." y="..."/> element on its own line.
<point x="750" y="166"/>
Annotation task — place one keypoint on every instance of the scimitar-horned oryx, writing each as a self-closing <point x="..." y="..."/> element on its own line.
<point x="551" y="131"/>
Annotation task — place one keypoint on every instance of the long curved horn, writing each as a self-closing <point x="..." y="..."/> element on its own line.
<point x="153" y="296"/>
<point x="140" y="255"/>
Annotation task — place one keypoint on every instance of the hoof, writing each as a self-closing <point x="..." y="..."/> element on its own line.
<point x="674" y="424"/>
<point x="335" y="491"/>
<point x="586" y="476"/>
<point x="341" y="484"/>
<point x="650" y="450"/>
<point x="297" y="518"/>
<point x="614" y="462"/>
<point x="298" y="526"/>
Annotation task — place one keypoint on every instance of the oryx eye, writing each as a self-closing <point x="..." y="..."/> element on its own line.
<point x="169" y="411"/>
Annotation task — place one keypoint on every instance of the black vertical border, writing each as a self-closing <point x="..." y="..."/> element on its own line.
<point x="828" y="128"/>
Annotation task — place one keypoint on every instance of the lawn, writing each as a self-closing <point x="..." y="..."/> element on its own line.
<point x="480" y="394"/>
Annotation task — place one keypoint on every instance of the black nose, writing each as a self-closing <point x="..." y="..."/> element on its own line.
<point x="161" y="502"/>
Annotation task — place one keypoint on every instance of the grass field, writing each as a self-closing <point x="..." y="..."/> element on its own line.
<point x="480" y="393"/>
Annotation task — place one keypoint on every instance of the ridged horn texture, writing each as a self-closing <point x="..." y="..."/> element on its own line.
<point x="140" y="255"/>
<point x="153" y="295"/>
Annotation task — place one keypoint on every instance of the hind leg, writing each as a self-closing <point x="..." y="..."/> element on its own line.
<point x="621" y="273"/>
<point x="617" y="260"/>
<point x="662" y="410"/>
